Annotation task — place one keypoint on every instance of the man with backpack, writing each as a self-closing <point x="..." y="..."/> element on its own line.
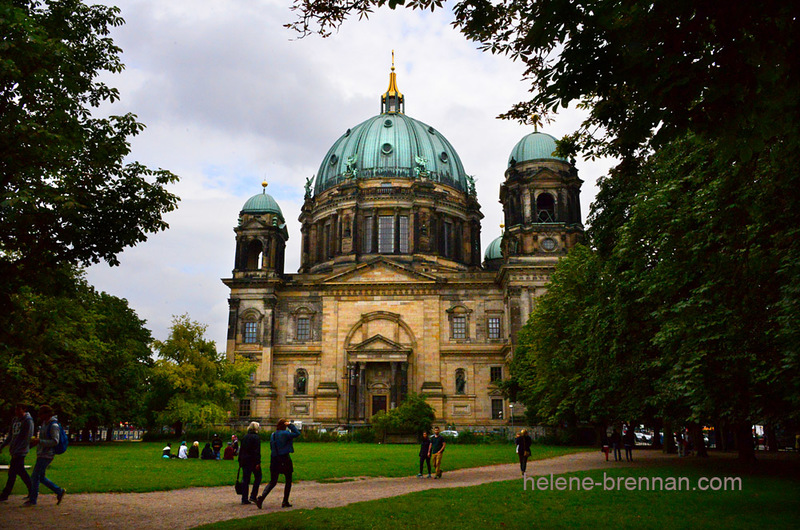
<point x="18" y="440"/>
<point x="51" y="441"/>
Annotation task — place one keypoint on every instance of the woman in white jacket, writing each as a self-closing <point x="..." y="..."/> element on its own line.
<point x="183" y="452"/>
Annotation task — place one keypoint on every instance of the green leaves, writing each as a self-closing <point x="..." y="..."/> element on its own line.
<point x="191" y="382"/>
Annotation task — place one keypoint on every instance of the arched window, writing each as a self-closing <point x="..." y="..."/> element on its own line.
<point x="301" y="382"/>
<point x="254" y="251"/>
<point x="461" y="381"/>
<point x="546" y="208"/>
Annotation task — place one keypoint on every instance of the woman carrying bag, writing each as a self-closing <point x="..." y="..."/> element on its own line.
<point x="250" y="462"/>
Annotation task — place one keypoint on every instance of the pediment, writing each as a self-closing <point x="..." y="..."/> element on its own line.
<point x="381" y="271"/>
<point x="547" y="174"/>
<point x="378" y="343"/>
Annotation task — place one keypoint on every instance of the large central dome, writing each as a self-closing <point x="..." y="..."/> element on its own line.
<point x="391" y="145"/>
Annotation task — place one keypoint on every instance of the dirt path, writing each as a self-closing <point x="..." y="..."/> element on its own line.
<point x="191" y="507"/>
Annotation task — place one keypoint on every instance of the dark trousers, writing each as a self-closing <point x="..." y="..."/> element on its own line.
<point x="246" y="472"/>
<point x="628" y="453"/>
<point x="427" y="459"/>
<point x="16" y="468"/>
<point x="280" y="465"/>
<point x="523" y="462"/>
<point x="617" y="452"/>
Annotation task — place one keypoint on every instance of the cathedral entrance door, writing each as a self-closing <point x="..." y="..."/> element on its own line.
<point x="378" y="404"/>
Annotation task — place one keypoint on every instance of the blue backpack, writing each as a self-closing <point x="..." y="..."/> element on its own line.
<point x="63" y="440"/>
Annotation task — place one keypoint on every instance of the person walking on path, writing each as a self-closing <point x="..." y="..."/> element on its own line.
<point x="436" y="451"/>
<point x="616" y="445"/>
<point x="250" y="462"/>
<point x="19" y="442"/>
<point x="425" y="454"/>
<point x="629" y="440"/>
<point x="49" y="435"/>
<point x="606" y="444"/>
<point x="281" y="445"/>
<point x="523" y="441"/>
<point x="216" y="445"/>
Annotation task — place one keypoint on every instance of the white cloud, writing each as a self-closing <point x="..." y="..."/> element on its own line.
<point x="230" y="98"/>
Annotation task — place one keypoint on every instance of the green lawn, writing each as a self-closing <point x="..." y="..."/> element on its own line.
<point x="770" y="498"/>
<point x="137" y="467"/>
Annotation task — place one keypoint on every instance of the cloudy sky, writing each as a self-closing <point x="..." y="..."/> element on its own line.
<point x="231" y="98"/>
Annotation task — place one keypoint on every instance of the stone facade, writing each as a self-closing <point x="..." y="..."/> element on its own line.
<point x="391" y="296"/>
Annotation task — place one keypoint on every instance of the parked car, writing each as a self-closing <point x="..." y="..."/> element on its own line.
<point x="454" y="434"/>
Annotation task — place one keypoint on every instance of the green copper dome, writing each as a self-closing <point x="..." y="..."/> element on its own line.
<point x="391" y="145"/>
<point x="534" y="146"/>
<point x="494" y="250"/>
<point x="261" y="204"/>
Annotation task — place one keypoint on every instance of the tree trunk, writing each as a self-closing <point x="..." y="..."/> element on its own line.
<point x="744" y="442"/>
<point x="656" y="441"/>
<point x="669" y="439"/>
<point x="178" y="426"/>
<point x="772" y="437"/>
<point x="696" y="431"/>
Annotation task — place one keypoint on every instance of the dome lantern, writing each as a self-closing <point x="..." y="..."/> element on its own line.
<point x="392" y="101"/>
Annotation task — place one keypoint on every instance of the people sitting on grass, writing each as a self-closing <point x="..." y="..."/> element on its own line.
<point x="229" y="452"/>
<point x="167" y="452"/>
<point x="183" y="452"/>
<point x="194" y="450"/>
<point x="208" y="453"/>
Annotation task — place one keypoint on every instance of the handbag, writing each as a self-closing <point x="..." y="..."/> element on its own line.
<point x="238" y="484"/>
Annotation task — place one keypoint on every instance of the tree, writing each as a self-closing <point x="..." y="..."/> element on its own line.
<point x="709" y="243"/>
<point x="191" y="382"/>
<point x="66" y="195"/>
<point x="576" y="359"/>
<point x="85" y="353"/>
<point x="645" y="71"/>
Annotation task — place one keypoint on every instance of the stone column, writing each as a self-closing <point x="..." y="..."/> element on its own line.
<point x="393" y="390"/>
<point x="362" y="391"/>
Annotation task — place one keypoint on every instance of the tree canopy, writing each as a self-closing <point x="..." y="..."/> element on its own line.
<point x="84" y="352"/>
<point x="67" y="194"/>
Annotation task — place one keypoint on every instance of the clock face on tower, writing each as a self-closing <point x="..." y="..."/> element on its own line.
<point x="549" y="244"/>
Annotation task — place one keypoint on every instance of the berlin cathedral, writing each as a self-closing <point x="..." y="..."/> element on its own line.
<point x="393" y="295"/>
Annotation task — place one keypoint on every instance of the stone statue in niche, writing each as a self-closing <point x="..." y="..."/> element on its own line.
<point x="461" y="382"/>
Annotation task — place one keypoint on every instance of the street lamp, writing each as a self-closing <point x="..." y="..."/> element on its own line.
<point x="511" y="406"/>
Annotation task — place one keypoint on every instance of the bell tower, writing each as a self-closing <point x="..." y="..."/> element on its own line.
<point x="260" y="238"/>
<point x="541" y="201"/>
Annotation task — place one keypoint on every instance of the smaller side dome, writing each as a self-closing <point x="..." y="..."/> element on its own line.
<point x="534" y="146"/>
<point x="261" y="204"/>
<point x="494" y="250"/>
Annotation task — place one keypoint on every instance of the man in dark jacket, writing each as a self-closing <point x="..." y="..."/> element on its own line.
<point x="281" y="446"/>
<point x="250" y="462"/>
<point x="216" y="445"/>
<point x="425" y="454"/>
<point x="19" y="442"/>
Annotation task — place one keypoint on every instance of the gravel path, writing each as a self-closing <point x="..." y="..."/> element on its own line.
<point x="191" y="507"/>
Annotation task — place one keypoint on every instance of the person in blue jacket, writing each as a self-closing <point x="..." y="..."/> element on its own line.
<point x="281" y="445"/>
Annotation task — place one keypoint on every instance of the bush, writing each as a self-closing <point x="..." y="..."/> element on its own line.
<point x="364" y="435"/>
<point x="414" y="415"/>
